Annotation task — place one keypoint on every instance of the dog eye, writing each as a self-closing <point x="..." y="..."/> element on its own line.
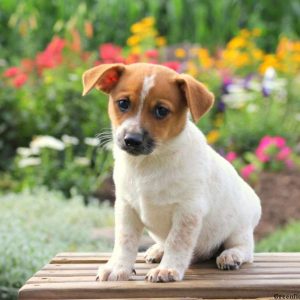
<point x="123" y="104"/>
<point x="160" y="112"/>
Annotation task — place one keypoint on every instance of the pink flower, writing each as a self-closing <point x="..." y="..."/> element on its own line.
<point x="247" y="170"/>
<point x="110" y="53"/>
<point x="279" y="141"/>
<point x="284" y="153"/>
<point x="261" y="154"/>
<point x="20" y="80"/>
<point x="231" y="156"/>
<point x="12" y="72"/>
<point x="174" y="65"/>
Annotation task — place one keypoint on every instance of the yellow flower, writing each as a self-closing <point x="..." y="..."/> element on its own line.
<point x="133" y="40"/>
<point x="137" y="28"/>
<point x="213" y="136"/>
<point x="236" y="42"/>
<point x="245" y="33"/>
<point x="180" y="53"/>
<point x="192" y="69"/>
<point x="136" y="50"/>
<point x="149" y="21"/>
<point x="269" y="61"/>
<point x="242" y="60"/>
<point x="257" y="54"/>
<point x="204" y="58"/>
<point x="160" y="41"/>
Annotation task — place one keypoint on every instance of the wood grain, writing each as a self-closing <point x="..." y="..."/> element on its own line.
<point x="72" y="276"/>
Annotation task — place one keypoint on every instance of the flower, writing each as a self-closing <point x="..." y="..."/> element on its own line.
<point x="231" y="156"/>
<point x="152" y="53"/>
<point x="70" y="140"/>
<point x="133" y="40"/>
<point x="213" y="136"/>
<point x="160" y="41"/>
<point x="91" y="141"/>
<point x="20" y="80"/>
<point x="11" y="72"/>
<point x="284" y="153"/>
<point x="47" y="141"/>
<point x="30" y="161"/>
<point x="247" y="170"/>
<point x="174" y="65"/>
<point x="88" y="29"/>
<point x="180" y="53"/>
<point x="110" y="53"/>
<point x="52" y="55"/>
<point x="26" y="152"/>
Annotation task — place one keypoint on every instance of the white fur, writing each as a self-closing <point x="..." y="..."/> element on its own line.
<point x="189" y="198"/>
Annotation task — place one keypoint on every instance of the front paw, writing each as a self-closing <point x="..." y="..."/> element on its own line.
<point x="163" y="275"/>
<point x="113" y="273"/>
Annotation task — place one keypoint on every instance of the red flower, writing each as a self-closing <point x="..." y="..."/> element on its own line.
<point x="110" y="53"/>
<point x="12" y="72"/>
<point x="153" y="53"/>
<point x="20" y="80"/>
<point x="52" y="55"/>
<point x="174" y="65"/>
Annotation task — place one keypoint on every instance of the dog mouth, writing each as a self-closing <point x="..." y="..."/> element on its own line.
<point x="137" y="143"/>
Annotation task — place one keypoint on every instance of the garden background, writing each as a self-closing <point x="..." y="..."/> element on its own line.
<point x="56" y="192"/>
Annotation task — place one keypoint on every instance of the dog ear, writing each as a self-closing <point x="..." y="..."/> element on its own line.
<point x="103" y="77"/>
<point x="199" y="99"/>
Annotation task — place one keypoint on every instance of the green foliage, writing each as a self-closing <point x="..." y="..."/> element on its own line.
<point x="35" y="226"/>
<point x="204" y="21"/>
<point x="286" y="239"/>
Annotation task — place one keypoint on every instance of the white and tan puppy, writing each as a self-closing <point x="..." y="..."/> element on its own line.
<point x="168" y="180"/>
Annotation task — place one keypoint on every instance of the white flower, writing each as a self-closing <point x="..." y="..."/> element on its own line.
<point x="237" y="100"/>
<point x="252" y="108"/>
<point x="46" y="141"/>
<point x="82" y="161"/>
<point x="70" y="140"/>
<point x="26" y="152"/>
<point x="91" y="141"/>
<point x="30" y="161"/>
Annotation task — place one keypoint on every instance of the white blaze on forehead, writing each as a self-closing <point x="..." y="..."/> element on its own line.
<point x="147" y="85"/>
<point x="133" y="124"/>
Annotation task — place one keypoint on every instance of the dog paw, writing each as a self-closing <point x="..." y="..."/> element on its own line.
<point x="229" y="260"/>
<point x="113" y="274"/>
<point x="154" y="254"/>
<point x="163" y="275"/>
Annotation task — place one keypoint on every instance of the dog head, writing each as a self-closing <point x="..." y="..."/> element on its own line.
<point x="148" y="103"/>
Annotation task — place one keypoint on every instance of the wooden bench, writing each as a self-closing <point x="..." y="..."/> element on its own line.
<point x="72" y="276"/>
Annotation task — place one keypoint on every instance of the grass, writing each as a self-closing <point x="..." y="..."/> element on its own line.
<point x="286" y="239"/>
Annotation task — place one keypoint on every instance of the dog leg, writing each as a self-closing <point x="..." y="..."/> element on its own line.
<point x="154" y="254"/>
<point x="178" y="247"/>
<point x="238" y="249"/>
<point x="128" y="230"/>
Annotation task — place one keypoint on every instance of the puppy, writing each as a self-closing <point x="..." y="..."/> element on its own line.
<point x="168" y="180"/>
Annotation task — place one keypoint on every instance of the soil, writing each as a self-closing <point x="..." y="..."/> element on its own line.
<point x="279" y="194"/>
<point x="280" y="200"/>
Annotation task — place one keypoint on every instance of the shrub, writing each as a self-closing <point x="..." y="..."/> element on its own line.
<point x="35" y="226"/>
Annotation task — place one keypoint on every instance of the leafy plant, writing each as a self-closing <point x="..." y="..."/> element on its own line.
<point x="36" y="226"/>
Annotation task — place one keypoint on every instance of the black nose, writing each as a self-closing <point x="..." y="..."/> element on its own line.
<point x="133" y="139"/>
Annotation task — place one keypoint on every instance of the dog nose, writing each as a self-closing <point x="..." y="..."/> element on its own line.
<point x="133" y="139"/>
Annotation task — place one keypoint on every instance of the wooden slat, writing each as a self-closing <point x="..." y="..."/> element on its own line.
<point x="102" y="258"/>
<point x="193" y="288"/>
<point x="211" y="265"/>
<point x="72" y="276"/>
<point x="233" y="276"/>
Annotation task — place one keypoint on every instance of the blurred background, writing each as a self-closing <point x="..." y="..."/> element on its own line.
<point x="56" y="191"/>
